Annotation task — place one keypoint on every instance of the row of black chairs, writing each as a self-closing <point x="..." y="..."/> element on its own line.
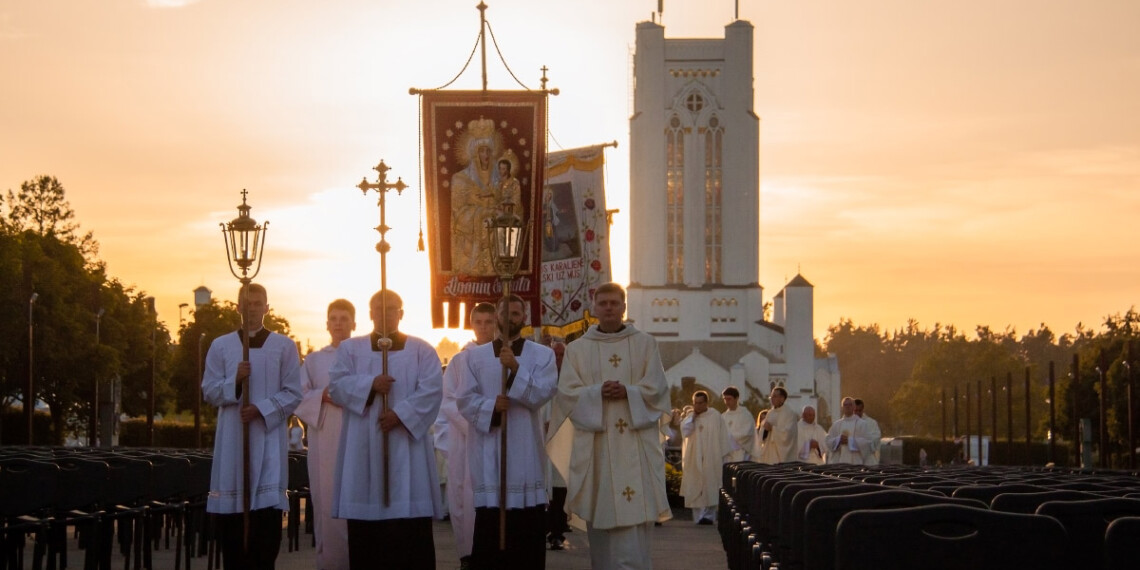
<point x="884" y="517"/>
<point x="144" y="497"/>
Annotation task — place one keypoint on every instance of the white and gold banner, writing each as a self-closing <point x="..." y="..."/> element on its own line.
<point x="574" y="238"/>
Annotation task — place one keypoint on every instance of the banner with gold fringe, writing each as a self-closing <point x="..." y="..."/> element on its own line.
<point x="481" y="149"/>
<point x="575" y="238"/>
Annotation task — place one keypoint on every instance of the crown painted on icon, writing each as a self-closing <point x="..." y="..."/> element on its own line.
<point x="481" y="128"/>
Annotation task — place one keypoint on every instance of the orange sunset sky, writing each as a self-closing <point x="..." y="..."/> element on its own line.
<point x="970" y="162"/>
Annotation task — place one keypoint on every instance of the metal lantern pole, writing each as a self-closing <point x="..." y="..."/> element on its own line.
<point x="507" y="238"/>
<point x="381" y="186"/>
<point x="244" y="239"/>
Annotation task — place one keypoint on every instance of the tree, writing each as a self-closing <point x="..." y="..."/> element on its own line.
<point x="42" y="208"/>
<point x="1108" y="351"/>
<point x="42" y="252"/>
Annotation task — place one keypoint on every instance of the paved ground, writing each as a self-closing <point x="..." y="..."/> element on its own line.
<point x="678" y="545"/>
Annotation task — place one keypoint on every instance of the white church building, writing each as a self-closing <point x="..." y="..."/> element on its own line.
<point x="695" y="226"/>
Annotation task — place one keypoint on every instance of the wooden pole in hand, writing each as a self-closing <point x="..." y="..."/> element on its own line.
<point x="244" y="246"/>
<point x="382" y="186"/>
<point x="504" y="333"/>
<point x="246" y="499"/>
<point x="508" y="236"/>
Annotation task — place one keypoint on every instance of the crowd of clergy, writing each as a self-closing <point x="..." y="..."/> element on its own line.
<point x="507" y="441"/>
<point x="776" y="435"/>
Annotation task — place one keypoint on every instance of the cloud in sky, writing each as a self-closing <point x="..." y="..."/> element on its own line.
<point x="169" y="3"/>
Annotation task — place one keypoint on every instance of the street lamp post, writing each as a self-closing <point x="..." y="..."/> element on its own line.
<point x="244" y="244"/>
<point x="93" y="439"/>
<point x="1131" y="438"/>
<point x="382" y="186"/>
<point x="29" y="397"/>
<point x="507" y="235"/>
<point x="153" y="366"/>
<point x="1052" y="412"/>
<point x="198" y="400"/>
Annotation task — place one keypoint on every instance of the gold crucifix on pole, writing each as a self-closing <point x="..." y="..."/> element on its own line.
<point x="382" y="186"/>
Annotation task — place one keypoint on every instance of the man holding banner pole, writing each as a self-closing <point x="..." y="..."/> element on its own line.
<point x="531" y="382"/>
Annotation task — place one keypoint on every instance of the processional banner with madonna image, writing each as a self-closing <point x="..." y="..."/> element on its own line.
<point x="482" y="149"/>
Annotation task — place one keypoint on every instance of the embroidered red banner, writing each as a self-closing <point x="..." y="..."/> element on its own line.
<point x="481" y="148"/>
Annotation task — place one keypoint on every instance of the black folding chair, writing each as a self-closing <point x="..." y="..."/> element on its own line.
<point x="947" y="537"/>
<point x="1086" y="523"/>
<point x="1122" y="544"/>
<point x="27" y="493"/>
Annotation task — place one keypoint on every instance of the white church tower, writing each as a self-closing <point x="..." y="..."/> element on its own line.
<point x="695" y="225"/>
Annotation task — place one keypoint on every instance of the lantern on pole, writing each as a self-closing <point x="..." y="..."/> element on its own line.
<point x="506" y="235"/>
<point x="245" y="242"/>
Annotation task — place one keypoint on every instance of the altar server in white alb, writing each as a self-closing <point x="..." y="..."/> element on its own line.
<point x="612" y="390"/>
<point x="741" y="424"/>
<point x="532" y="378"/>
<point x="397" y="535"/>
<point x="454" y="427"/>
<point x="707" y="446"/>
<point x="323" y="416"/>
<point x="776" y="433"/>
<point x="811" y="439"/>
<point x="274" y="376"/>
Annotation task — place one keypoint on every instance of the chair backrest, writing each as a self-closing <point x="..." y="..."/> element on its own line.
<point x="1027" y="503"/>
<point x="782" y="525"/>
<point x="986" y="493"/>
<point x="82" y="483"/>
<point x="823" y="514"/>
<point x="1086" y="522"/>
<point x="130" y="480"/>
<point x="200" y="466"/>
<point x="947" y="537"/>
<point x="27" y="486"/>
<point x="1122" y="543"/>
<point x="798" y="506"/>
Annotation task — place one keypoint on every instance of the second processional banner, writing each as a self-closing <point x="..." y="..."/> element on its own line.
<point x="481" y="149"/>
<point x="575" y="238"/>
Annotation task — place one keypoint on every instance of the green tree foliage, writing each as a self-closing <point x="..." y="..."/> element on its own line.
<point x="42" y="252"/>
<point x="902" y="375"/>
<point x="1104" y="355"/>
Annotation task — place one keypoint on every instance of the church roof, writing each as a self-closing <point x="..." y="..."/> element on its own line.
<point x="724" y="353"/>
<point x="798" y="281"/>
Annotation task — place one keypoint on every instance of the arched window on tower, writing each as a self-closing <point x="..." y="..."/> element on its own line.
<point x="716" y="310"/>
<point x="714" y="147"/>
<point x="675" y="201"/>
